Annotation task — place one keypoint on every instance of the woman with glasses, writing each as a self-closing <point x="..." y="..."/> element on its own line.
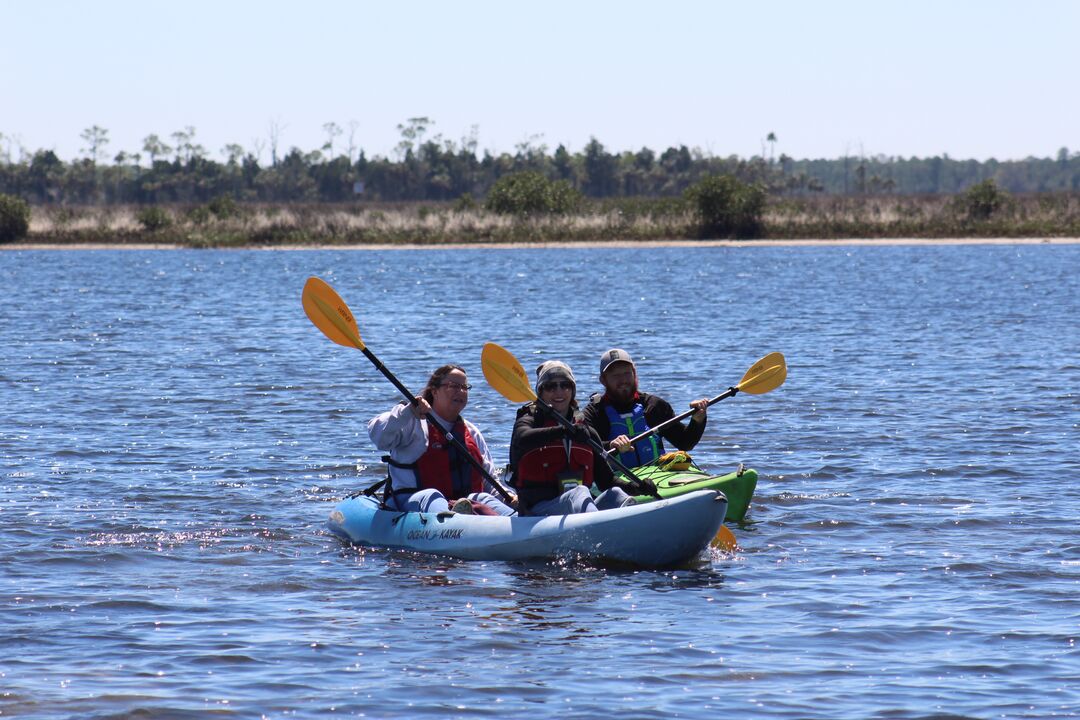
<point x="426" y="470"/>
<point x="554" y="467"/>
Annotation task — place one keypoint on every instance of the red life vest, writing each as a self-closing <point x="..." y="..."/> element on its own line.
<point x="555" y="463"/>
<point x="444" y="468"/>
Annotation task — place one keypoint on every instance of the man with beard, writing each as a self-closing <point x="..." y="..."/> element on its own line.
<point x="623" y="412"/>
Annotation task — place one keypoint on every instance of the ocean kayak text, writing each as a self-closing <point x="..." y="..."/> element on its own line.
<point x="447" y="534"/>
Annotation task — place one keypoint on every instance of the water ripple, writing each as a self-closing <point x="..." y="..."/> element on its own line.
<point x="166" y="469"/>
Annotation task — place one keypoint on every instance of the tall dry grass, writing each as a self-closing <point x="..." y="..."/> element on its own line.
<point x="814" y="217"/>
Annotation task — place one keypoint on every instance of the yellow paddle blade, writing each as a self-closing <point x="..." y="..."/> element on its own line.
<point x="725" y="540"/>
<point x="766" y="374"/>
<point x="504" y="373"/>
<point x="328" y="311"/>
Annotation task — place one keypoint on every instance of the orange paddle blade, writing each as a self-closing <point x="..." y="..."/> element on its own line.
<point x="725" y="540"/>
<point x="329" y="313"/>
<point x="504" y="373"/>
<point x="765" y="375"/>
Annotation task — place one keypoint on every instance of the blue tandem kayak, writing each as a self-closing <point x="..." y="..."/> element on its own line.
<point x="656" y="534"/>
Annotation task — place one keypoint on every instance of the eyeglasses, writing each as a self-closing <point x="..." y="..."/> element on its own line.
<point x="456" y="386"/>
<point x="557" y="385"/>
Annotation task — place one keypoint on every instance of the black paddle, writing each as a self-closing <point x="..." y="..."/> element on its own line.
<point x="329" y="313"/>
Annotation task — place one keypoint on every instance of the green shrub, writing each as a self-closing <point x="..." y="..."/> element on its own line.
<point x="982" y="200"/>
<point x="465" y="203"/>
<point x="199" y="215"/>
<point x="14" y="218"/>
<point x="153" y="218"/>
<point x="727" y="207"/>
<point x="530" y="193"/>
<point x="223" y="207"/>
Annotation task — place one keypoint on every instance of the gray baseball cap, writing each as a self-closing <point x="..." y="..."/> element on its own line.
<point x="614" y="355"/>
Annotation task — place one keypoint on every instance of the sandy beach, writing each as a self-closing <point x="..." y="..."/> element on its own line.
<point x="854" y="242"/>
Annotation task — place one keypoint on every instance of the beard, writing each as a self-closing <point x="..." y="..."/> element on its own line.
<point x="622" y="393"/>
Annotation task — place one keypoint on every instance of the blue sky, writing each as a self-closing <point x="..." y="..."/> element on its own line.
<point x="915" y="78"/>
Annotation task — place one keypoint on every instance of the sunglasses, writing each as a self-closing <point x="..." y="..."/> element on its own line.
<point x="557" y="385"/>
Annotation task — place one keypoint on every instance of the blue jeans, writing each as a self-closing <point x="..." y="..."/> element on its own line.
<point x="433" y="501"/>
<point x="429" y="500"/>
<point x="613" y="498"/>
<point x="493" y="502"/>
<point x="578" y="499"/>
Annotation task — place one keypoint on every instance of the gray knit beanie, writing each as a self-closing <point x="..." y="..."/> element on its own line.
<point x="551" y="370"/>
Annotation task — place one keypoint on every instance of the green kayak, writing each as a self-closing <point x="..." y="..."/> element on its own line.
<point x="738" y="486"/>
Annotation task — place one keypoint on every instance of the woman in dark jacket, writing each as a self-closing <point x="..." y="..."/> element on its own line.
<point x="554" y="467"/>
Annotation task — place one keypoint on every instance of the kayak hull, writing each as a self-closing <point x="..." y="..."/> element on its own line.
<point x="656" y="534"/>
<point x="738" y="486"/>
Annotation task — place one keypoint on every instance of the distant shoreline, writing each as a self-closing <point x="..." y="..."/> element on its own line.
<point x="563" y="244"/>
<point x="634" y="222"/>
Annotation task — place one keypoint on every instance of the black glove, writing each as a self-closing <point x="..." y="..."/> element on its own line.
<point x="643" y="486"/>
<point x="578" y="433"/>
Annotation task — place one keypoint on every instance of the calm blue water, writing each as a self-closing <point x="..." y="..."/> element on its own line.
<point x="174" y="432"/>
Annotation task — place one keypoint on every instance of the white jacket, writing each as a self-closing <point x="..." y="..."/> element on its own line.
<point x="405" y="438"/>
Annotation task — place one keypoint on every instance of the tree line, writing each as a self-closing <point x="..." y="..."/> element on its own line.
<point x="439" y="169"/>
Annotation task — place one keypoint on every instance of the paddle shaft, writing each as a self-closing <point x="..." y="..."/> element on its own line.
<point x="682" y="416"/>
<point x="446" y="431"/>
<point x="389" y="375"/>
<point x="565" y="421"/>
